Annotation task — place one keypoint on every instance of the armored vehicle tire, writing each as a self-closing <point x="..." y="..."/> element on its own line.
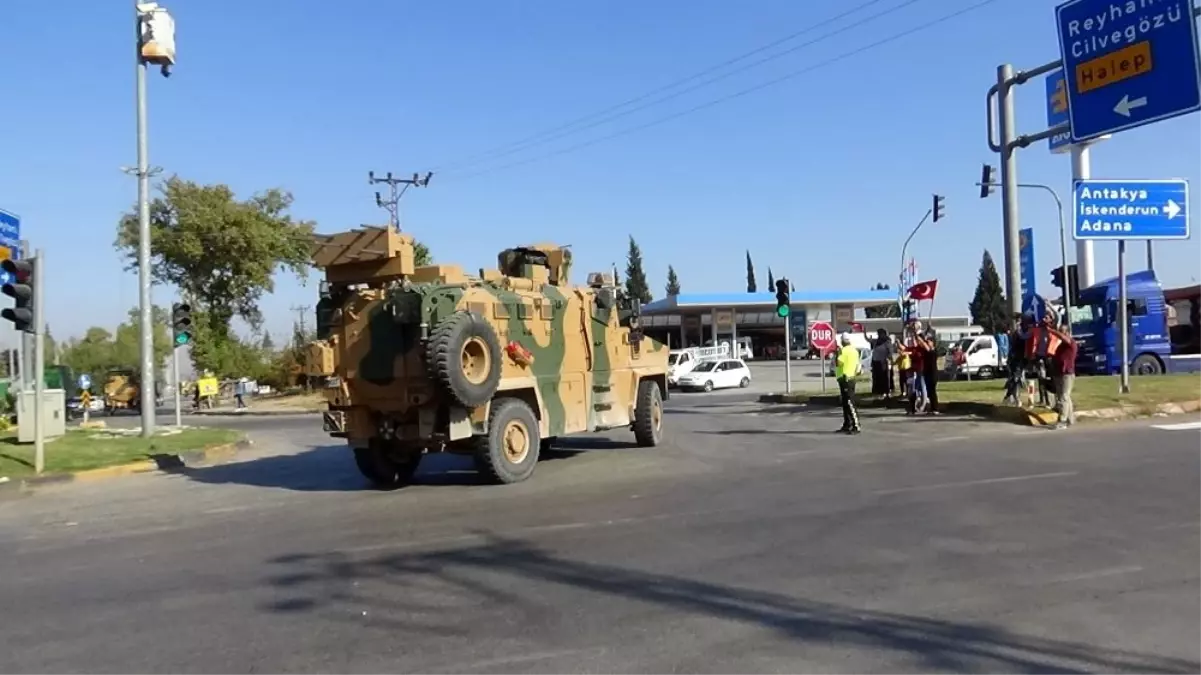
<point x="386" y="469"/>
<point x="648" y="414"/>
<point x="508" y="453"/>
<point x="464" y="357"/>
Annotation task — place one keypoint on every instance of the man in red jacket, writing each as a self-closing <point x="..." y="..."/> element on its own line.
<point x="1064" y="373"/>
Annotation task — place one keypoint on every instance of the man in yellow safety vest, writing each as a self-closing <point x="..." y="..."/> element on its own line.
<point x="846" y="369"/>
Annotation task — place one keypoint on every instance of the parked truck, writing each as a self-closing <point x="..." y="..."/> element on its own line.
<point x="1163" y="327"/>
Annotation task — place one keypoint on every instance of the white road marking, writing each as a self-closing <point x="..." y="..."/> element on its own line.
<point x="985" y="481"/>
<point x="1177" y="427"/>
<point x="1097" y="574"/>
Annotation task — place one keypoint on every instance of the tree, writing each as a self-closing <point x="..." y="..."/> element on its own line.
<point x="751" y="287"/>
<point x="673" y="281"/>
<point x="267" y="344"/>
<point x="221" y="253"/>
<point x="771" y="280"/>
<point x="421" y="254"/>
<point x="988" y="306"/>
<point x="99" y="350"/>
<point x="889" y="311"/>
<point x="636" y="286"/>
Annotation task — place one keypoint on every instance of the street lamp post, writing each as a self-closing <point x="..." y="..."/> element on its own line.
<point x="155" y="35"/>
<point x="904" y="247"/>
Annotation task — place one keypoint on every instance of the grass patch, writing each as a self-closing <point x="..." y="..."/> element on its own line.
<point x="1090" y="392"/>
<point x="94" y="448"/>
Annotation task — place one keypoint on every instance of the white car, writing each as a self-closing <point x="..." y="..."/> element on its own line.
<point x="717" y="374"/>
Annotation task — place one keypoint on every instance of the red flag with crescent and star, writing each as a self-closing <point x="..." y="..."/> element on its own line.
<point x="923" y="290"/>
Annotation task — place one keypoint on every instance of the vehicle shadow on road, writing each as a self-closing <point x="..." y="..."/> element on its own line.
<point x="331" y="468"/>
<point x="426" y="592"/>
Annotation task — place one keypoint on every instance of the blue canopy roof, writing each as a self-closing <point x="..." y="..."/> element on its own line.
<point x="706" y="301"/>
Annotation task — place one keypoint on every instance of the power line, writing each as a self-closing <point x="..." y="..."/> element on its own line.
<point x="731" y="96"/>
<point x="565" y="129"/>
<point x="392" y="203"/>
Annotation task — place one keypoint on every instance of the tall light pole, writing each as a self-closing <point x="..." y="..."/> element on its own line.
<point x="155" y="33"/>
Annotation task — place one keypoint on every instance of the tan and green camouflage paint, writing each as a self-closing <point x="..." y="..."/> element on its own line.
<point x="584" y="375"/>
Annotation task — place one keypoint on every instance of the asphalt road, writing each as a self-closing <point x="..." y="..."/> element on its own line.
<point x="750" y="542"/>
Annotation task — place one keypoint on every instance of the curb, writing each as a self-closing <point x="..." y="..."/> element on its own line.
<point x="161" y="462"/>
<point x="1002" y="413"/>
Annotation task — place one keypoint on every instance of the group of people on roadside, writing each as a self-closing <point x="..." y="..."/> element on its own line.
<point x="1040" y="355"/>
<point x="1042" y="362"/>
<point x="908" y="364"/>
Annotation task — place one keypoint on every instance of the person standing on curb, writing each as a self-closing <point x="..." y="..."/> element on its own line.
<point x="1065" y="376"/>
<point x="927" y="345"/>
<point x="846" y="369"/>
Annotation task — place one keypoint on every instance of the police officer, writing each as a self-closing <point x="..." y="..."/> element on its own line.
<point x="846" y="369"/>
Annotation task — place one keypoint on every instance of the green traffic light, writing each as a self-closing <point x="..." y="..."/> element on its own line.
<point x="783" y="310"/>
<point x="181" y="339"/>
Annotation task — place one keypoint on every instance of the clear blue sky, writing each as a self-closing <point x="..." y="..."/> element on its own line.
<point x="310" y="95"/>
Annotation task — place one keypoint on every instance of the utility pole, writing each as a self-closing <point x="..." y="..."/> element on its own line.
<point x="154" y="30"/>
<point x="395" y="192"/>
<point x="301" y="312"/>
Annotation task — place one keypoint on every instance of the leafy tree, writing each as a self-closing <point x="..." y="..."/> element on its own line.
<point x="988" y="306"/>
<point x="751" y="287"/>
<point x="771" y="280"/>
<point x="889" y="311"/>
<point x="99" y="350"/>
<point x="636" y="286"/>
<point x="673" y="281"/>
<point x="421" y="254"/>
<point x="221" y="253"/>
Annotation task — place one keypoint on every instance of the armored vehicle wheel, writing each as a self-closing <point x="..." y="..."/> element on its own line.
<point x="464" y="357"/>
<point x="509" y="451"/>
<point x="648" y="415"/>
<point x="387" y="469"/>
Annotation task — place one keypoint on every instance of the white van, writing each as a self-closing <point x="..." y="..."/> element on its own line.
<point x="682" y="361"/>
<point x="981" y="357"/>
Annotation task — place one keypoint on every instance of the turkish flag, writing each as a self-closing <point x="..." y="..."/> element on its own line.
<point x="924" y="290"/>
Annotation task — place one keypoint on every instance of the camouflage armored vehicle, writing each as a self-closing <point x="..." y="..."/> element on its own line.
<point x="428" y="359"/>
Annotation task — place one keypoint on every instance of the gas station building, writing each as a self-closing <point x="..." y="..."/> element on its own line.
<point x="694" y="319"/>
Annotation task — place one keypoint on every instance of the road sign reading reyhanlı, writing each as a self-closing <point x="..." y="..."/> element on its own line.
<point x="1128" y="63"/>
<point x="821" y="335"/>
<point x="1130" y="209"/>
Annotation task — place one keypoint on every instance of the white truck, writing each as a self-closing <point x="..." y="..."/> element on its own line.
<point x="980" y="358"/>
<point x="682" y="361"/>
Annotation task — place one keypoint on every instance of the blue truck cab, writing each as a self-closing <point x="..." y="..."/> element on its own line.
<point x="1163" y="331"/>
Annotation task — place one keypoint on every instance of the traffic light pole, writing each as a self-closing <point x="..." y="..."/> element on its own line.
<point x="175" y="379"/>
<point x="39" y="362"/>
<point x="788" y="354"/>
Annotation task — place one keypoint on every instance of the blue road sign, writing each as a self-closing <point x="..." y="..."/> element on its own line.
<point x="1057" y="112"/>
<point x="10" y="241"/>
<point x="1128" y="63"/>
<point x="1026" y="263"/>
<point x="1130" y="209"/>
<point x="1035" y="305"/>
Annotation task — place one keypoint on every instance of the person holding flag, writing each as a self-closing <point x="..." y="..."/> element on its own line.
<point x="926" y="345"/>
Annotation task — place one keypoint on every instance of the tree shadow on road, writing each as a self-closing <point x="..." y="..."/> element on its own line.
<point x="486" y="578"/>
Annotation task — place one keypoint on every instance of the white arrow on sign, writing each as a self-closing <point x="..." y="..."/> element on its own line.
<point x="1125" y="105"/>
<point x="1173" y="209"/>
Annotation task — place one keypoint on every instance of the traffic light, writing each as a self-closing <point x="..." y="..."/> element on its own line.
<point x="20" y="289"/>
<point x="1073" y="286"/>
<point x="1057" y="277"/>
<point x="181" y="323"/>
<point x="783" y="301"/>
<point x="987" y="178"/>
<point x="939" y="207"/>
